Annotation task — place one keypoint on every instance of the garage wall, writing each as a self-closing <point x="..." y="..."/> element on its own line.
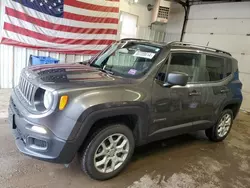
<point x="157" y="32"/>
<point x="175" y="22"/>
<point x="138" y="10"/>
<point x="14" y="59"/>
<point x="225" y="26"/>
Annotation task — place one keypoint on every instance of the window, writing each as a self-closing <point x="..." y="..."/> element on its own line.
<point x="130" y="60"/>
<point x="161" y="75"/>
<point x="186" y="63"/>
<point x="228" y="67"/>
<point x="214" y="70"/>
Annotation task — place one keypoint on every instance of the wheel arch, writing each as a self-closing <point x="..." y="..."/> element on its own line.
<point x="234" y="106"/>
<point x="135" y="117"/>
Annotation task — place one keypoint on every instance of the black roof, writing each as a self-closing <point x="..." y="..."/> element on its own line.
<point x="179" y="44"/>
<point x="198" y="47"/>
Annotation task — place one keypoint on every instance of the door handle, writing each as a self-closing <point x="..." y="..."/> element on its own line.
<point x="194" y="93"/>
<point x="224" y="90"/>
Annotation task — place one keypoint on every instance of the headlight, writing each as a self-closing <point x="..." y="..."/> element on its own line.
<point x="47" y="99"/>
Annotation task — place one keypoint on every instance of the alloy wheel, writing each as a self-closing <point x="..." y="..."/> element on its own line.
<point x="224" y="125"/>
<point x="111" y="153"/>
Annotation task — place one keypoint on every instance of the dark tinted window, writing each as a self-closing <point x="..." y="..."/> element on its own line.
<point x="162" y="72"/>
<point x="228" y="67"/>
<point x="186" y="63"/>
<point x="214" y="68"/>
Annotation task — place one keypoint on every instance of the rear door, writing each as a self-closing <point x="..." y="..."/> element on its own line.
<point x="215" y="77"/>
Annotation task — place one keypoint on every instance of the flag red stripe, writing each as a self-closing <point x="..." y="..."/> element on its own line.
<point x="88" y="6"/>
<point x="92" y="19"/>
<point x="20" y="44"/>
<point x="57" y="27"/>
<point x="58" y="40"/>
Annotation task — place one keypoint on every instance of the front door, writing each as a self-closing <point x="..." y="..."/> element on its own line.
<point x="175" y="108"/>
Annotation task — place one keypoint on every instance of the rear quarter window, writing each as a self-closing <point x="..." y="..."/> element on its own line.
<point x="214" y="68"/>
<point x="228" y="67"/>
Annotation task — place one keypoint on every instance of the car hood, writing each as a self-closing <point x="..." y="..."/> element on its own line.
<point x="72" y="75"/>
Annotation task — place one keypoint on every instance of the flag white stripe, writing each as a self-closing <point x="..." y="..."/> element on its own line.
<point x="55" y="33"/>
<point x="102" y="3"/>
<point x="55" y="20"/>
<point x="92" y="13"/>
<point x="40" y="43"/>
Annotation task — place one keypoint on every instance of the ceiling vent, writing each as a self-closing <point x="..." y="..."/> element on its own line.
<point x="161" y="12"/>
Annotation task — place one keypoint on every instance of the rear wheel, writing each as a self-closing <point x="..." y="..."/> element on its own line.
<point x="222" y="128"/>
<point x="108" y="152"/>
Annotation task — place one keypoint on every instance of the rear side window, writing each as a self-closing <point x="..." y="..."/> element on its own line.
<point x="214" y="69"/>
<point x="228" y="67"/>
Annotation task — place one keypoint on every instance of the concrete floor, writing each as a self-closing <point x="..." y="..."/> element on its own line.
<point x="182" y="162"/>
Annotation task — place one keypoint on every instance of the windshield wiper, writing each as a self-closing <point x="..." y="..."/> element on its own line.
<point x="87" y="62"/>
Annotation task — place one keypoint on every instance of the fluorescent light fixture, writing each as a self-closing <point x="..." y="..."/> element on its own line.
<point x="132" y="1"/>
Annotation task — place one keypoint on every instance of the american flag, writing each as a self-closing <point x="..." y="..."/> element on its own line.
<point x="67" y="26"/>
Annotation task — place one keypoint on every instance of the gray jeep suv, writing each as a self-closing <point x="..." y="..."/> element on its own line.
<point x="132" y="93"/>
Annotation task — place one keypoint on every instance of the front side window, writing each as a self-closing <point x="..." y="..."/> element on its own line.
<point x="186" y="63"/>
<point x="130" y="60"/>
<point x="214" y="68"/>
<point x="161" y="75"/>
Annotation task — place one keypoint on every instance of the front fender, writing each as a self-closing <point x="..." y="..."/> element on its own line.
<point x="88" y="119"/>
<point x="99" y="98"/>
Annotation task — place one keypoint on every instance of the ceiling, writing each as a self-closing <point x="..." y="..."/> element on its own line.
<point x="192" y="2"/>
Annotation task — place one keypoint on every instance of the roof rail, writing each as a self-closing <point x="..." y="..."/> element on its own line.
<point x="177" y="43"/>
<point x="133" y="39"/>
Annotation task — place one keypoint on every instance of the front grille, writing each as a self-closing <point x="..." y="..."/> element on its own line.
<point x="27" y="89"/>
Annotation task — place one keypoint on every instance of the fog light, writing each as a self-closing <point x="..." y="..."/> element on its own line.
<point x="38" y="129"/>
<point x="37" y="144"/>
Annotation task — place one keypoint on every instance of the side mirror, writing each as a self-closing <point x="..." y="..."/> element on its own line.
<point x="176" y="78"/>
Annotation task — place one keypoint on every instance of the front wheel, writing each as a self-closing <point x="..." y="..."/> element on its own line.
<point x="108" y="152"/>
<point x="222" y="128"/>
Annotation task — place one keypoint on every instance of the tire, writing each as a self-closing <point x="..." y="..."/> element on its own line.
<point x="101" y="140"/>
<point x="216" y="134"/>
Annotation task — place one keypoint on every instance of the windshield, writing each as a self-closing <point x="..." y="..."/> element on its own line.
<point x="131" y="60"/>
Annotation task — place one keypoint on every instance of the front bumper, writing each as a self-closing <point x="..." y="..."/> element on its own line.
<point x="46" y="147"/>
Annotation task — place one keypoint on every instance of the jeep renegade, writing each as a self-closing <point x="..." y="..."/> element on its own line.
<point x="132" y="93"/>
